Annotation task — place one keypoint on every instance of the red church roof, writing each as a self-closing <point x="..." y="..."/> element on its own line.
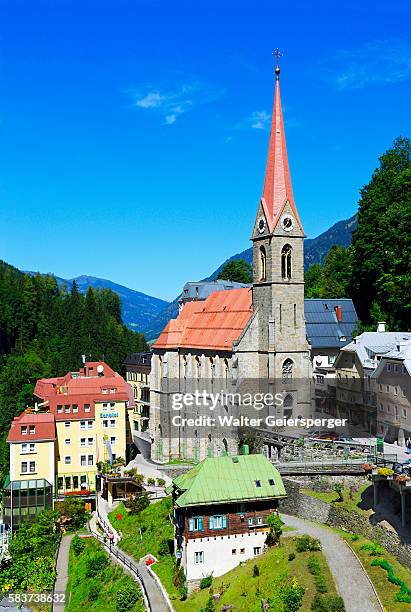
<point x="42" y="425"/>
<point x="277" y="183"/>
<point x="214" y="323"/>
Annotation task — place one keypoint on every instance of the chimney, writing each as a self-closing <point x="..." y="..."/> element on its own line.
<point x="381" y="326"/>
<point x="338" y="312"/>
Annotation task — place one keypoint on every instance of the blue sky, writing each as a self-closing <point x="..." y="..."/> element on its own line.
<point x="133" y="134"/>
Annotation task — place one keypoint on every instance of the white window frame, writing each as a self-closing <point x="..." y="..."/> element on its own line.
<point x="199" y="557"/>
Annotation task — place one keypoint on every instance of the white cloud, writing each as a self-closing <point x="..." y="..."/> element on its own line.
<point x="172" y="103"/>
<point x="260" y="120"/>
<point x="151" y="100"/>
<point x="375" y="62"/>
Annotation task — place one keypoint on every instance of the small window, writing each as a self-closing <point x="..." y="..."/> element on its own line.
<point x="259" y="520"/>
<point x="195" y="523"/>
<point x="257" y="550"/>
<point x="105" y="422"/>
<point x="86" y="407"/>
<point x="112" y="440"/>
<point x="271" y="482"/>
<point x="89" y="424"/>
<point x="112" y="422"/>
<point x="75" y="408"/>
<point x="24" y="430"/>
<point x="90" y="459"/>
<point x="217" y="522"/>
<point x="90" y="441"/>
<point x="242" y="551"/>
<point x="66" y="409"/>
<point x="82" y="424"/>
<point x="199" y="557"/>
<point x="32" y="467"/>
<point x="67" y="424"/>
<point x="24" y="467"/>
<point x="59" y="409"/>
<point x="32" y="429"/>
<point x="82" y="441"/>
<point x="83" y="460"/>
<point x="233" y="551"/>
<point x="258" y="483"/>
<point x="67" y="460"/>
<point x="251" y="521"/>
<point x="67" y="441"/>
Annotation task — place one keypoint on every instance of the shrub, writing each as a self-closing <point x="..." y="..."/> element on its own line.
<point x="292" y="596"/>
<point x="78" y="546"/>
<point x="179" y="577"/>
<point x="339" y="489"/>
<point x="291" y="556"/>
<point x="327" y="603"/>
<point x="276" y="529"/>
<point x="256" y="571"/>
<point x="73" y="509"/>
<point x="164" y="547"/>
<point x="306" y="542"/>
<point x="161" y="482"/>
<point x="95" y="563"/>
<point x="127" y="597"/>
<point x="314" y="565"/>
<point x="210" y="605"/>
<point x="373" y="549"/>
<point x="138" y="503"/>
<point x="320" y="584"/>
<point x="93" y="590"/>
<point x="404" y="593"/>
<point x="354" y="537"/>
<point x="206" y="582"/>
<point x="151" y="481"/>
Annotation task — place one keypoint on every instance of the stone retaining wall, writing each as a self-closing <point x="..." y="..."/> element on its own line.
<point x="300" y="504"/>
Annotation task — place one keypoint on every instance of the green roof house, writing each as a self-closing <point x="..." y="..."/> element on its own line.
<point x="220" y="512"/>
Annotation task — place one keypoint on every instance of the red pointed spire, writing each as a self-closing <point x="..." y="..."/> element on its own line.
<point x="277" y="183"/>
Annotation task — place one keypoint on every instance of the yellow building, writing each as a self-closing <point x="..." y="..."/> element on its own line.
<point x="90" y="408"/>
<point x="138" y="366"/>
<point x="54" y="450"/>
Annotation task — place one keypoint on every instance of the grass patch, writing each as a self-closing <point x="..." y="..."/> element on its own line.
<point x="385" y="589"/>
<point x="245" y="591"/>
<point x="95" y="583"/>
<point x="150" y="531"/>
<point x="331" y="497"/>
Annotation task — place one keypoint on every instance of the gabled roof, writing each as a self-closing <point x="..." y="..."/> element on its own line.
<point x="228" y="479"/>
<point x="277" y="184"/>
<point x="370" y="344"/>
<point x="214" y="323"/>
<point x="324" y="329"/>
<point x="44" y="425"/>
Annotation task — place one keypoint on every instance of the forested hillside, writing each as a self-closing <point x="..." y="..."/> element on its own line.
<point x="375" y="271"/>
<point x="44" y="331"/>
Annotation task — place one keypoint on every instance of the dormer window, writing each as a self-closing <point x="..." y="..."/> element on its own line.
<point x="258" y="483"/>
<point x="32" y="429"/>
<point x="24" y="430"/>
<point x="271" y="482"/>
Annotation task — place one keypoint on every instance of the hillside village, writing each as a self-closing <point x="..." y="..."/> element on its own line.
<point x="125" y="485"/>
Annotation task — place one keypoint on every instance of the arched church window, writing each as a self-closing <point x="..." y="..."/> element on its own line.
<point x="286" y="261"/>
<point x="288" y="401"/>
<point x="287" y="371"/>
<point x="263" y="264"/>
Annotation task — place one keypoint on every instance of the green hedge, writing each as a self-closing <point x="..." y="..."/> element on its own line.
<point x="404" y="594"/>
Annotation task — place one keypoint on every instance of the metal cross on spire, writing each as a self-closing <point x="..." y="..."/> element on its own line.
<point x="277" y="54"/>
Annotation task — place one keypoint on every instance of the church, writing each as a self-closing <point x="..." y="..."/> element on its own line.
<point x="250" y="338"/>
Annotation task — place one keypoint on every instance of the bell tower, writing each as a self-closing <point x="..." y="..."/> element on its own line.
<point x="278" y="258"/>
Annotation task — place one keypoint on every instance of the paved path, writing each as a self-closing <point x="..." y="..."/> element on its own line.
<point x="350" y="578"/>
<point x="62" y="568"/>
<point x="156" y="599"/>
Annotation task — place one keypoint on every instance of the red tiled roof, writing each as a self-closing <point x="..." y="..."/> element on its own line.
<point x="277" y="183"/>
<point x="44" y="423"/>
<point x="86" y="388"/>
<point x="214" y="323"/>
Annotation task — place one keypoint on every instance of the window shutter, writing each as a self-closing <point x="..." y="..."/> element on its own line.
<point x="224" y="525"/>
<point x="211" y="522"/>
<point x="200" y="524"/>
<point x="191" y="525"/>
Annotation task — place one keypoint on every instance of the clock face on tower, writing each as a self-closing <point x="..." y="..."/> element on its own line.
<point x="261" y="224"/>
<point x="287" y="223"/>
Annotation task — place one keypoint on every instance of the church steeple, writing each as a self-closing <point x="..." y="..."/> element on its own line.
<point x="277" y="184"/>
